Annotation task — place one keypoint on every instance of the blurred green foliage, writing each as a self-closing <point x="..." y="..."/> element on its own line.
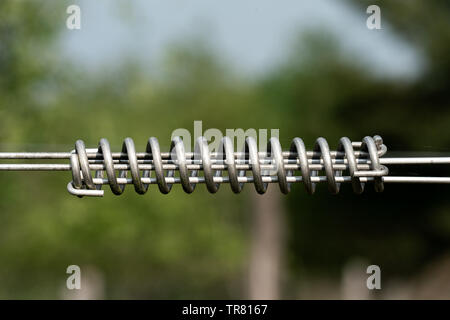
<point x="196" y="246"/>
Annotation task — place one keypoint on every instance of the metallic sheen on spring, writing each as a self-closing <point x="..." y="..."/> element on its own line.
<point x="354" y="162"/>
<point x="360" y="159"/>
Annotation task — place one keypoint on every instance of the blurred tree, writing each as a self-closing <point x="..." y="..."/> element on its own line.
<point x="323" y="91"/>
<point x="157" y="246"/>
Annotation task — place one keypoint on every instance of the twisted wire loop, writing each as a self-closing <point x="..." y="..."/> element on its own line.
<point x="155" y="154"/>
<point x="105" y="150"/>
<point x="252" y="156"/>
<point x="276" y="155"/>
<point x="345" y="146"/>
<point x="202" y="149"/>
<point x="227" y="153"/>
<point x="321" y="146"/>
<point x="178" y="155"/>
<point x="369" y="145"/>
<point x="273" y="165"/>
<point x="298" y="146"/>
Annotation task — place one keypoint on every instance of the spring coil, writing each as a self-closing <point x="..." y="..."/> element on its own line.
<point x="372" y="147"/>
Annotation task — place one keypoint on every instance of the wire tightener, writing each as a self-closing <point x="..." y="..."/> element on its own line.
<point x="273" y="166"/>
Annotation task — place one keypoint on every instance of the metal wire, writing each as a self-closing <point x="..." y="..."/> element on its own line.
<point x="353" y="162"/>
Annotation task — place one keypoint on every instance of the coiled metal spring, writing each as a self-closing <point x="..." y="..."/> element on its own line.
<point x="353" y="162"/>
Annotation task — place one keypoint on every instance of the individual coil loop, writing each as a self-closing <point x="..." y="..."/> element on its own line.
<point x="178" y="155"/>
<point x="276" y="155"/>
<point x="345" y="146"/>
<point x="227" y="153"/>
<point x="298" y="146"/>
<point x="77" y="179"/>
<point x="129" y="149"/>
<point x="252" y="156"/>
<point x="370" y="145"/>
<point x="202" y="149"/>
<point x="321" y="147"/>
<point x="105" y="150"/>
<point x="83" y="163"/>
<point x="155" y="154"/>
<point x="271" y="166"/>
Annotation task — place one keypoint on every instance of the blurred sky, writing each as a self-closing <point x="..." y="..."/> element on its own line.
<point x="252" y="35"/>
